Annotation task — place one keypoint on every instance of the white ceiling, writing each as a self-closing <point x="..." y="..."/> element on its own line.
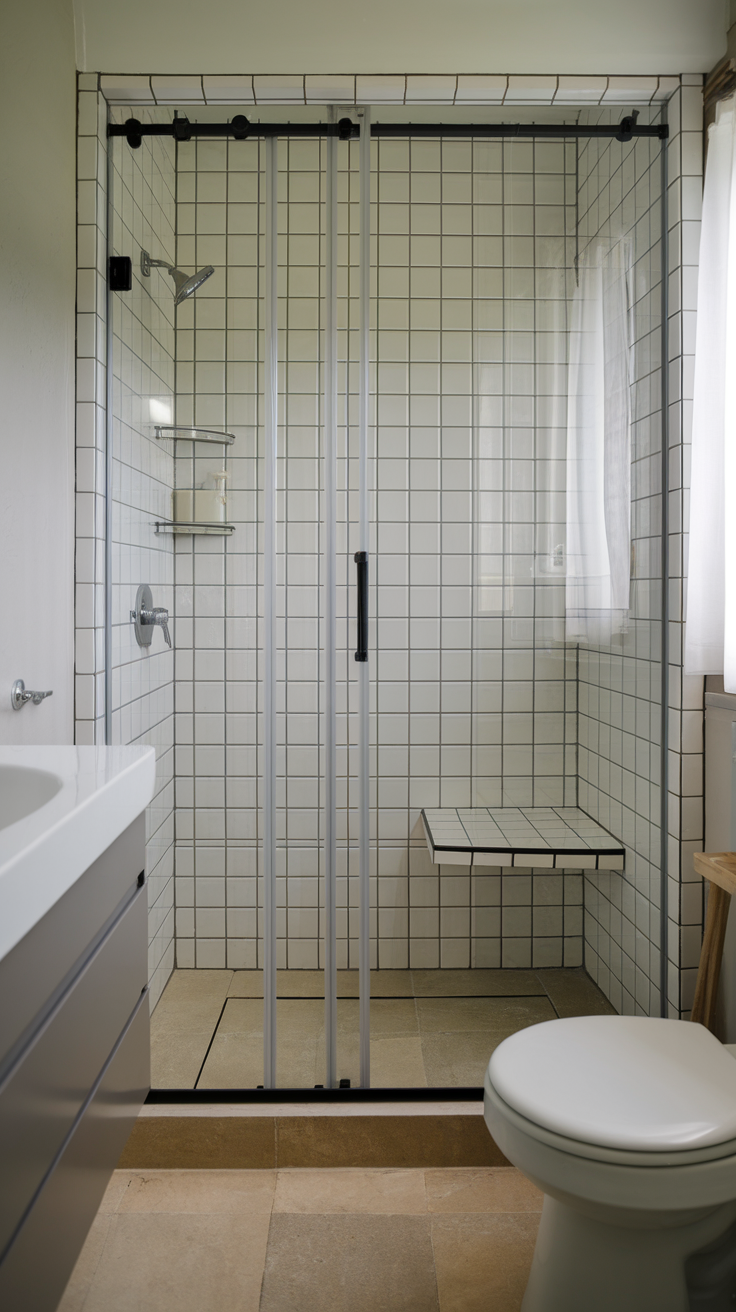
<point x="400" y="36"/>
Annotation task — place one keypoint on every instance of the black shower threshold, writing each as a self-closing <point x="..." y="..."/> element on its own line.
<point x="344" y="1096"/>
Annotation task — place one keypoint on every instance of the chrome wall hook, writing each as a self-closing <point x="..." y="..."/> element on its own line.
<point x="19" y="695"/>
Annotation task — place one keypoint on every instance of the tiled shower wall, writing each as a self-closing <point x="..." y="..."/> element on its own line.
<point x="219" y="351"/>
<point x="143" y="215"/>
<point x="474" y="697"/>
<point x="475" y="694"/>
<point x="517" y="89"/>
<point x="423" y="918"/>
<point x="620" y="723"/>
<point x="686" y="833"/>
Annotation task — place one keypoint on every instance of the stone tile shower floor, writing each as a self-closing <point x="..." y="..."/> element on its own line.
<point x="350" y="1240"/>
<point x="429" y="1028"/>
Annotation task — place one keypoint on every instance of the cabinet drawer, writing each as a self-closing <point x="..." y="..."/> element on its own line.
<point x="40" y="1261"/>
<point x="40" y="967"/>
<point x="46" y="1088"/>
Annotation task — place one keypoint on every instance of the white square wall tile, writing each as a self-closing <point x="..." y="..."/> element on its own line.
<point x="516" y="953"/>
<point x="228" y="90"/>
<point x="185" y="958"/>
<point x="637" y="90"/>
<point x="667" y="87"/>
<point x="580" y="90"/>
<point x="127" y="90"/>
<point x="88" y="112"/>
<point x="481" y="89"/>
<point x="210" y="954"/>
<point x="524" y="90"/>
<point x="180" y="90"/>
<point x="287" y="89"/>
<point x="425" y="954"/>
<point x="455" y="953"/>
<point x="427" y="89"/>
<point x="393" y="954"/>
<point x="325" y="89"/>
<point x="377" y="90"/>
<point x="486" y="953"/>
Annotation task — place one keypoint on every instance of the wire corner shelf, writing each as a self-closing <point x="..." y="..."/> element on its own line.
<point x="179" y="527"/>
<point x="186" y="433"/>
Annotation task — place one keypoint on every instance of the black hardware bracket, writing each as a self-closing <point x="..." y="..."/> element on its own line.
<point x="627" y="126"/>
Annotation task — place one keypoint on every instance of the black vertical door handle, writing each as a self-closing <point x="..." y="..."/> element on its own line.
<point x="361" y="560"/>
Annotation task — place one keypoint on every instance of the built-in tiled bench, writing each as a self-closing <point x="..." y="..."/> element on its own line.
<point x="552" y="837"/>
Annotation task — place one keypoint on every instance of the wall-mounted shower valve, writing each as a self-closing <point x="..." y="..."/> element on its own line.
<point x="147" y="617"/>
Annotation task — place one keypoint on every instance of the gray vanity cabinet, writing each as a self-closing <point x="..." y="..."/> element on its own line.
<point x="74" y="1069"/>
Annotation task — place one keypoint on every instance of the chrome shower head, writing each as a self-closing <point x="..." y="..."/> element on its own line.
<point x="185" y="285"/>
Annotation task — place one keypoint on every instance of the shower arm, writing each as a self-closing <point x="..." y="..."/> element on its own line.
<point x="148" y="263"/>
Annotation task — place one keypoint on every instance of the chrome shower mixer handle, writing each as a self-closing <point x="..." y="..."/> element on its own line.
<point x="147" y="617"/>
<point x="157" y="615"/>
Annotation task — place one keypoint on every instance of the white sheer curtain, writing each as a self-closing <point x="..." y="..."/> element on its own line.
<point x="599" y="446"/>
<point x="710" y="634"/>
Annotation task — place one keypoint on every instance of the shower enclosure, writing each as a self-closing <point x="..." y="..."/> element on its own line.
<point x="437" y="349"/>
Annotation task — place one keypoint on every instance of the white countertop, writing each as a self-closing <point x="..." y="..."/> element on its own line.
<point x="102" y="790"/>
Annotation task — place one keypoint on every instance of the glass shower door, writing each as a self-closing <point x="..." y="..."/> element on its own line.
<point x="488" y="686"/>
<point x="314" y="747"/>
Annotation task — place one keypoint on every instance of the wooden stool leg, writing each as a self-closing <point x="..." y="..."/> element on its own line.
<point x="711" y="954"/>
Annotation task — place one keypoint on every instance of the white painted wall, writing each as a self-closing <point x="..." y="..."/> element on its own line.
<point x="37" y="293"/>
<point x="415" y="36"/>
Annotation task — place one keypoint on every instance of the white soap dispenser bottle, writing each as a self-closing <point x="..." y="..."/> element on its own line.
<point x="220" y="500"/>
<point x="210" y="503"/>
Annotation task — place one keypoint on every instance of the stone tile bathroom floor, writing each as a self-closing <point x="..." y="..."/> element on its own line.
<point x="429" y="1028"/>
<point x="350" y="1240"/>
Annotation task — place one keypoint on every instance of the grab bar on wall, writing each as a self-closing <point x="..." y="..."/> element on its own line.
<point x="361" y="560"/>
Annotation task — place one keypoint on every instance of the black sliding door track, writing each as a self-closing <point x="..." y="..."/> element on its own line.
<point x="316" y="1096"/>
<point x="241" y="129"/>
<point x="623" y="131"/>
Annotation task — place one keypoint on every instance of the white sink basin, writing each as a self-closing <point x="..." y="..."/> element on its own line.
<point x="23" y="790"/>
<point x="60" y="809"/>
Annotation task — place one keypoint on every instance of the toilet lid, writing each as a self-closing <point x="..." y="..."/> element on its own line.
<point x="628" y="1082"/>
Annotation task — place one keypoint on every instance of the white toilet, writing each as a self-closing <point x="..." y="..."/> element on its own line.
<point x="628" y="1124"/>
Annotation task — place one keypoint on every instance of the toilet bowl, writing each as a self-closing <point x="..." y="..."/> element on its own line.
<point x="628" y="1125"/>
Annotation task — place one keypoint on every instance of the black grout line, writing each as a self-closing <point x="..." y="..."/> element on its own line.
<point x="212" y="1039"/>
